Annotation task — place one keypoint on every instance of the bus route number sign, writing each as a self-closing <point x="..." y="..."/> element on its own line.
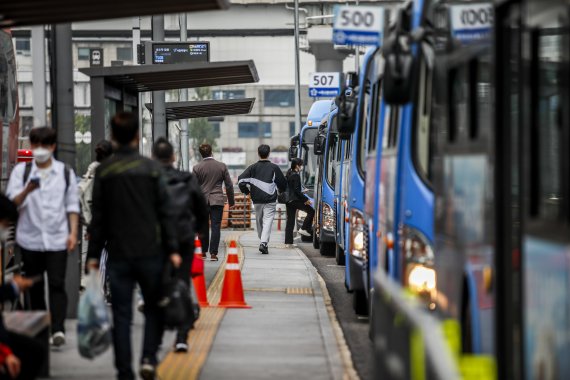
<point x="355" y="25"/>
<point x="471" y="22"/>
<point x="324" y="85"/>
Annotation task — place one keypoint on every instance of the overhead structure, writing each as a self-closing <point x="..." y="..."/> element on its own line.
<point x="206" y="108"/>
<point x="116" y="88"/>
<point x="35" y="12"/>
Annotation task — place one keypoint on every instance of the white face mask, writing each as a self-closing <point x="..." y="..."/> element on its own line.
<point x="42" y="155"/>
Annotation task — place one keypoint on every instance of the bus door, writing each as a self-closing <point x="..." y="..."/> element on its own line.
<point x="533" y="189"/>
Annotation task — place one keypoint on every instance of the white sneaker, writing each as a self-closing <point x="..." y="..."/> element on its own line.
<point x="303" y="232"/>
<point x="58" y="339"/>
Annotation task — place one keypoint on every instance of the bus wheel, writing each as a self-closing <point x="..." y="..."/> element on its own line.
<point x="360" y="302"/>
<point x="339" y="255"/>
<point x="316" y="242"/>
<point x="327" y="249"/>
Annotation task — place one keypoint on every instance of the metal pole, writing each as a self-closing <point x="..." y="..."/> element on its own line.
<point x="357" y="54"/>
<point x="184" y="97"/>
<point x="39" y="75"/>
<point x="136" y="42"/>
<point x="297" y="71"/>
<point x="158" y="102"/>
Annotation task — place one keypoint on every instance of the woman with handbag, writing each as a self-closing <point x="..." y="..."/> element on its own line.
<point x="296" y="200"/>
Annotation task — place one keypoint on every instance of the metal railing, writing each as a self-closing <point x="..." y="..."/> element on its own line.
<point x="408" y="342"/>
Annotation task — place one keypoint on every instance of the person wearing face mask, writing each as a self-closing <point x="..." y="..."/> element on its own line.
<point x="297" y="201"/>
<point x="45" y="192"/>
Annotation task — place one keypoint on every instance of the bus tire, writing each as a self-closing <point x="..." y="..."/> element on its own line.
<point x="327" y="249"/>
<point x="360" y="302"/>
<point x="339" y="255"/>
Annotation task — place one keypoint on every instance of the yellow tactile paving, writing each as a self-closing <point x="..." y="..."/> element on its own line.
<point x="308" y="291"/>
<point x="177" y="366"/>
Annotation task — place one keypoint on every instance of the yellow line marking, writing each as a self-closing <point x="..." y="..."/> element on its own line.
<point x="187" y="366"/>
<point x="307" y="291"/>
<point x="276" y="290"/>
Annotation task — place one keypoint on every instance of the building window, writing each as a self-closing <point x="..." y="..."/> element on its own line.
<point x="228" y="94"/>
<point x="83" y="54"/>
<point x="291" y="128"/>
<point x="124" y="54"/>
<point x="279" y="98"/>
<point x="253" y="129"/>
<point x="216" y="127"/>
<point x="23" y="46"/>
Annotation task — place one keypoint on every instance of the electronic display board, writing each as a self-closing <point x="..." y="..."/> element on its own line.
<point x="180" y="52"/>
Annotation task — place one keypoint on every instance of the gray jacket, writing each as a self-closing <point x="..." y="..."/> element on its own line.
<point x="211" y="174"/>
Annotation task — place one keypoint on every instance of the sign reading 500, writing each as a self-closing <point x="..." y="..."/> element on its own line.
<point x="471" y="22"/>
<point x="358" y="25"/>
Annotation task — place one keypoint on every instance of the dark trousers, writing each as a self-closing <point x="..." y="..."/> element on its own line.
<point x="211" y="245"/>
<point x="55" y="264"/>
<point x="187" y="252"/>
<point x="31" y="354"/>
<point x="124" y="273"/>
<point x="292" y="208"/>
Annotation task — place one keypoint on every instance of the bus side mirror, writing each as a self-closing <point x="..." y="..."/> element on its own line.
<point x="398" y="71"/>
<point x="347" y="113"/>
<point x="319" y="145"/>
<point x="293" y="152"/>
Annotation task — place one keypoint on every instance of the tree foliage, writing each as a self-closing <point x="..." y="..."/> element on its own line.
<point x="201" y="131"/>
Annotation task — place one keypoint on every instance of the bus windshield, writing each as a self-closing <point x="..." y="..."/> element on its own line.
<point x="309" y="158"/>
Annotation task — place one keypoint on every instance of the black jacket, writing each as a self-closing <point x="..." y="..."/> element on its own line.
<point x="263" y="178"/>
<point x="294" y="187"/>
<point x="132" y="216"/>
<point x="198" y="207"/>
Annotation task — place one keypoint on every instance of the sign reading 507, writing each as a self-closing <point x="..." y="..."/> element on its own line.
<point x="324" y="84"/>
<point x="354" y="25"/>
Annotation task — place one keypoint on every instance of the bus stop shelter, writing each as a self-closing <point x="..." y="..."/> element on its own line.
<point x="35" y="12"/>
<point x="116" y="89"/>
<point x="206" y="108"/>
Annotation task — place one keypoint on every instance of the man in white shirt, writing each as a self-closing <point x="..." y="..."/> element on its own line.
<point x="45" y="192"/>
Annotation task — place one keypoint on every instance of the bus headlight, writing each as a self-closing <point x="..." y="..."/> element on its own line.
<point x="419" y="275"/>
<point x="328" y="218"/>
<point x="358" y="243"/>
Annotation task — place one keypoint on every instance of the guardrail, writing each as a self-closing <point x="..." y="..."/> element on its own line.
<point x="409" y="343"/>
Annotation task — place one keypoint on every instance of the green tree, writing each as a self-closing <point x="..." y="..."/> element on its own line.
<point x="200" y="130"/>
<point x="82" y="151"/>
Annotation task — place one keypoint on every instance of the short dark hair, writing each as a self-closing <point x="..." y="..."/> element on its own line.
<point x="43" y="136"/>
<point x="162" y="150"/>
<point x="103" y="150"/>
<point x="205" y="150"/>
<point x="263" y="151"/>
<point x="124" y="127"/>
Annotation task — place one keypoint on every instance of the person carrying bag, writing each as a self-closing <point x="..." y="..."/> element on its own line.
<point x="296" y="200"/>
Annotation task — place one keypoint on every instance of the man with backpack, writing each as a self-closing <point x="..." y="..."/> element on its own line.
<point x="45" y="192"/>
<point x="190" y="215"/>
<point x="262" y="180"/>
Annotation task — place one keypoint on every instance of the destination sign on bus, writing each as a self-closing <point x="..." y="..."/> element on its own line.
<point x="358" y="25"/>
<point x="471" y="22"/>
<point x="324" y="84"/>
<point x="167" y="53"/>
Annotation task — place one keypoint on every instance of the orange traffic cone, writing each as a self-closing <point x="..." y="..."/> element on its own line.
<point x="198" y="275"/>
<point x="232" y="292"/>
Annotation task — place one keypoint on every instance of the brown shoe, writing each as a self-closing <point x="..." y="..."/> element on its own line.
<point x="213" y="257"/>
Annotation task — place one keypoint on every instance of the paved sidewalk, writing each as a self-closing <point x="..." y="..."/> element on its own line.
<point x="66" y="364"/>
<point x="288" y="333"/>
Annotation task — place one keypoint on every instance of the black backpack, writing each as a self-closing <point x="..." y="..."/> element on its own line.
<point x="28" y="170"/>
<point x="178" y="186"/>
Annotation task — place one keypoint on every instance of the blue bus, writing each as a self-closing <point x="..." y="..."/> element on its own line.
<point x="302" y="147"/>
<point x="328" y="154"/>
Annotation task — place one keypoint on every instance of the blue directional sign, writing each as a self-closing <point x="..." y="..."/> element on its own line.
<point x="324" y="85"/>
<point x="355" y="25"/>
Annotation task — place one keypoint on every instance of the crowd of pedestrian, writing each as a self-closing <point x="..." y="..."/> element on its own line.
<point x="142" y="216"/>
